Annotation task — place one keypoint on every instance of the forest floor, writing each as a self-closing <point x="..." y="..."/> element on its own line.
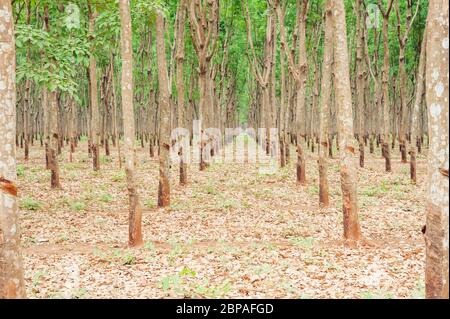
<point x="231" y="232"/>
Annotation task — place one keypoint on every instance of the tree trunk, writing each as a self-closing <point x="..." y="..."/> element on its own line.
<point x="385" y="85"/>
<point x="11" y="270"/>
<point x="437" y="232"/>
<point x="301" y="96"/>
<point x="53" y="140"/>
<point x="360" y="76"/>
<point x="180" y="27"/>
<point x="135" y="211"/>
<point x="352" y="232"/>
<point x="164" y="104"/>
<point x="95" y="117"/>
<point x="299" y="72"/>
<point x="324" y="197"/>
<point x="420" y="86"/>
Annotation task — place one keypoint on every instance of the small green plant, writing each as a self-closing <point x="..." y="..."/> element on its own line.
<point x="305" y="242"/>
<point x="379" y="294"/>
<point x="62" y="238"/>
<point x="119" y="177"/>
<point x="230" y="203"/>
<point x="38" y="276"/>
<point x="384" y="186"/>
<point x="123" y="258"/>
<point x="169" y="282"/>
<point x="369" y="192"/>
<point x="213" y="291"/>
<point x="313" y="190"/>
<point x="176" y="252"/>
<point x="375" y="191"/>
<point x="404" y="171"/>
<point x="211" y="190"/>
<point x="30" y="204"/>
<point x="128" y="259"/>
<point x="20" y="170"/>
<point x="419" y="292"/>
<point x="105" y="159"/>
<point x="187" y="272"/>
<point x="150" y="246"/>
<point x="80" y="293"/>
<point x="78" y="206"/>
<point x="177" y="206"/>
<point x="30" y="239"/>
<point x="73" y="166"/>
<point x="106" y="198"/>
<point x="150" y="203"/>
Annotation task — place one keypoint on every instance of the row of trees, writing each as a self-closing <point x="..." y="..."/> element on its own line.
<point x="314" y="69"/>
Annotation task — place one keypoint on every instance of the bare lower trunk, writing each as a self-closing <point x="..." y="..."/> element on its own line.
<point x="386" y="151"/>
<point x="301" y="163"/>
<point x="54" y="141"/>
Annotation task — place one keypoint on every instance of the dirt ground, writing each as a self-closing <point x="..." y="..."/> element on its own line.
<point x="232" y="232"/>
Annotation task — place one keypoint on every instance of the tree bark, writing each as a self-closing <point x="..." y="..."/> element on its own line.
<point x="164" y="104"/>
<point x="11" y="270"/>
<point x="360" y="78"/>
<point x="420" y="86"/>
<point x="403" y="39"/>
<point x="352" y="232"/>
<point x="299" y="72"/>
<point x="325" y="100"/>
<point x="437" y="94"/>
<point x="385" y="85"/>
<point x="95" y="117"/>
<point x="180" y="27"/>
<point x="135" y="211"/>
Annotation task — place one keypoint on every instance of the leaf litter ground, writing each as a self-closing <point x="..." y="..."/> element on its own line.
<point x="231" y="232"/>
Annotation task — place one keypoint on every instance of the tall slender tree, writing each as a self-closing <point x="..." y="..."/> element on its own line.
<point x="402" y="40"/>
<point x="11" y="273"/>
<point x="52" y="138"/>
<point x="360" y="79"/>
<point x="352" y="231"/>
<point x="385" y="83"/>
<point x="204" y="24"/>
<point x="180" y="58"/>
<point x="95" y="116"/>
<point x="164" y="105"/>
<point x="135" y="211"/>
<point x="437" y="95"/>
<point x="420" y="89"/>
<point x="299" y="71"/>
<point x="325" y="100"/>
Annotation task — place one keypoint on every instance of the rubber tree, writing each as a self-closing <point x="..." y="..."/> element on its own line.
<point x="348" y="169"/>
<point x="11" y="271"/>
<point x="437" y="94"/>
<point x="135" y="211"/>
